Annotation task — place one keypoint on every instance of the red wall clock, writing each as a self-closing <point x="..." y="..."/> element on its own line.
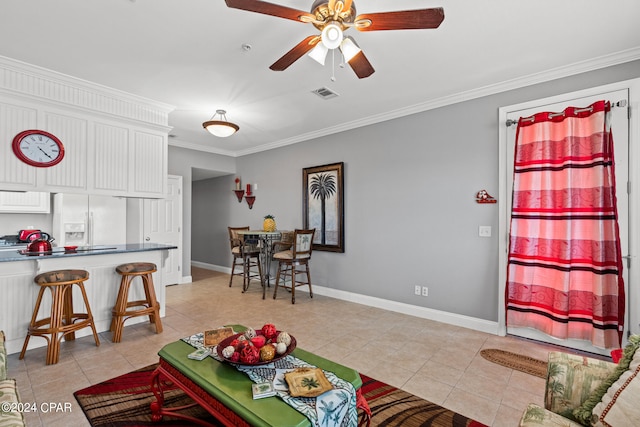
<point x="38" y="148"/>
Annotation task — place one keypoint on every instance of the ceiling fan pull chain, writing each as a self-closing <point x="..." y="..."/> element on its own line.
<point x="333" y="65"/>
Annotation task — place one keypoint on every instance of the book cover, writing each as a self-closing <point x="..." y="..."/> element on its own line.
<point x="214" y="336"/>
<point x="261" y="390"/>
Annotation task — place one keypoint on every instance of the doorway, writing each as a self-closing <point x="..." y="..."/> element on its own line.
<point x="623" y="134"/>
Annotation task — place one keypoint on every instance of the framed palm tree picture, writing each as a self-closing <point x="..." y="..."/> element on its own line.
<point x="323" y="198"/>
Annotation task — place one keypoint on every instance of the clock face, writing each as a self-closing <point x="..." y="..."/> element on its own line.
<point x="38" y="148"/>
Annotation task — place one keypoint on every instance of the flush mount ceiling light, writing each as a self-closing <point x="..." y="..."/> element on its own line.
<point x="221" y="128"/>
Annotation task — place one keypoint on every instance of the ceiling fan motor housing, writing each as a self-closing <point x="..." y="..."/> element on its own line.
<point x="320" y="8"/>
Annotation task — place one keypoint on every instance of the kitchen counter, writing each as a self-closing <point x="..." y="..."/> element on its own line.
<point x="19" y="255"/>
<point x="18" y="292"/>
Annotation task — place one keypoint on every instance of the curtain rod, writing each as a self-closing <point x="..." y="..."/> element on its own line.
<point x="621" y="103"/>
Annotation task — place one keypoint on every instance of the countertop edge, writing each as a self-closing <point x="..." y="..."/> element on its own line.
<point x="8" y="256"/>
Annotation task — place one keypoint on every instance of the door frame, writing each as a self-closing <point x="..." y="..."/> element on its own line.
<point x="633" y="266"/>
<point x="144" y="212"/>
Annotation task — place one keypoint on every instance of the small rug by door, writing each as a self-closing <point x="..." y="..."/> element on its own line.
<point x="124" y="402"/>
<point x="516" y="361"/>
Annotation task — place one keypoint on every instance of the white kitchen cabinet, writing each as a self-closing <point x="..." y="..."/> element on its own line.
<point x="14" y="174"/>
<point x="109" y="157"/>
<point x="116" y="144"/>
<point x="25" y="202"/>
<point x="71" y="172"/>
<point x="148" y="165"/>
<point x="101" y="156"/>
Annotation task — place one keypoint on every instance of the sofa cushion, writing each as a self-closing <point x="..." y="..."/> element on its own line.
<point x="536" y="416"/>
<point x="619" y="405"/>
<point x="9" y="394"/>
<point x="571" y="379"/>
<point x="3" y="358"/>
<point x="584" y="413"/>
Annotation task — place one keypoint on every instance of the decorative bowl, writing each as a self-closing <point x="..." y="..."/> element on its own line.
<point x="227" y="341"/>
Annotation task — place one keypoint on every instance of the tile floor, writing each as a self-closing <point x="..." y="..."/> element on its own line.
<point x="435" y="361"/>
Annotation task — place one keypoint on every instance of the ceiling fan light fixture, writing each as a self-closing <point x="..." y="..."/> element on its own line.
<point x="349" y="48"/>
<point x="332" y="36"/>
<point x="319" y="53"/>
<point x="220" y="128"/>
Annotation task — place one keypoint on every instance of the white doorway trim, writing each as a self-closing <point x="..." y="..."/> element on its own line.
<point x="633" y="266"/>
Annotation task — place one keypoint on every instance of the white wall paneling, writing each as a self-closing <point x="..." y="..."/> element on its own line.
<point x="14" y="119"/>
<point x="20" y="292"/>
<point x="71" y="173"/>
<point x="148" y="164"/>
<point x="109" y="157"/>
<point x="115" y="143"/>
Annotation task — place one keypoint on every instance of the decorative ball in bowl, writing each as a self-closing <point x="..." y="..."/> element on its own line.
<point x="256" y="346"/>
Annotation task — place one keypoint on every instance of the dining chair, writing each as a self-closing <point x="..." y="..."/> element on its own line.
<point x="285" y="242"/>
<point x="295" y="262"/>
<point x="245" y="257"/>
<point x="251" y="251"/>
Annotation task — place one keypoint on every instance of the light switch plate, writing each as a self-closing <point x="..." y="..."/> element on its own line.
<point x="484" y="231"/>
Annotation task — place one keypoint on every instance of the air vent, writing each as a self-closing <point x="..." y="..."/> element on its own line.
<point x="325" y="93"/>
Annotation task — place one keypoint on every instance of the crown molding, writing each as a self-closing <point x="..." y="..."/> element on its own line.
<point x="504" y="86"/>
<point x="27" y="80"/>
<point x="176" y="142"/>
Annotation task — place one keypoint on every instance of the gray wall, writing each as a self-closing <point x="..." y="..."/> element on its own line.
<point x="410" y="211"/>
<point x="181" y="161"/>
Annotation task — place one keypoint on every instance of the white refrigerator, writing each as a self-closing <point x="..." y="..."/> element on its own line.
<point x="89" y="220"/>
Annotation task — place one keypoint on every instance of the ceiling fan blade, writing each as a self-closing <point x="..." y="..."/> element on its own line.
<point x="401" y="20"/>
<point x="361" y="65"/>
<point x="294" y="54"/>
<point x="269" y="9"/>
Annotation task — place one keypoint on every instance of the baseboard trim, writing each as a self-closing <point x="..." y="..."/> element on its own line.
<point x="398" y="307"/>
<point x="213" y="267"/>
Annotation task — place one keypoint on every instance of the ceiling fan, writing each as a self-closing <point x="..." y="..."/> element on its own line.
<point x="333" y="18"/>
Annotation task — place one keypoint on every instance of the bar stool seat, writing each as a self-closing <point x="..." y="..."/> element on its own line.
<point x="63" y="322"/>
<point x="125" y="309"/>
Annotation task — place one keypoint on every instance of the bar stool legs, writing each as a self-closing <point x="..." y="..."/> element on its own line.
<point x="63" y="322"/>
<point x="123" y="311"/>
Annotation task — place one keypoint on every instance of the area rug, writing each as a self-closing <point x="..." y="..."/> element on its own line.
<point x="124" y="402"/>
<point x="516" y="361"/>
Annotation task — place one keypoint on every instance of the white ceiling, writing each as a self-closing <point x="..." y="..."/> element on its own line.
<point x="189" y="54"/>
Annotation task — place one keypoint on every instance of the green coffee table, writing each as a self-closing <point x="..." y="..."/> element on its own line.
<point x="225" y="392"/>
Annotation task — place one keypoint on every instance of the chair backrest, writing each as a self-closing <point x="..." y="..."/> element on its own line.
<point x="303" y="243"/>
<point x="235" y="239"/>
<point x="285" y="242"/>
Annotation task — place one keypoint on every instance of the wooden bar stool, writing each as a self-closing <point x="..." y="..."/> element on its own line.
<point x="150" y="306"/>
<point x="63" y="322"/>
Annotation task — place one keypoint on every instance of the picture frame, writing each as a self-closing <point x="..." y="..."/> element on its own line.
<point x="323" y="205"/>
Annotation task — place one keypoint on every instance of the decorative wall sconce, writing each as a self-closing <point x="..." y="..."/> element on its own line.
<point x="239" y="191"/>
<point x="250" y="198"/>
<point x="239" y="194"/>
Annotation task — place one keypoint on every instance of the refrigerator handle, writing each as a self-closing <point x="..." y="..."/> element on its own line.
<point x="90" y="239"/>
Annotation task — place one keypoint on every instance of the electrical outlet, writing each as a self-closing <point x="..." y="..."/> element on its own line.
<point x="417" y="290"/>
<point x="425" y="291"/>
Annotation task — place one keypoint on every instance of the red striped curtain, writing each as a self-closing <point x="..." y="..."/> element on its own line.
<point x="565" y="268"/>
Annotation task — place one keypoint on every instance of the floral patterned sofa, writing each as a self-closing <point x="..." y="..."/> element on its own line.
<point x="582" y="391"/>
<point x="8" y="393"/>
